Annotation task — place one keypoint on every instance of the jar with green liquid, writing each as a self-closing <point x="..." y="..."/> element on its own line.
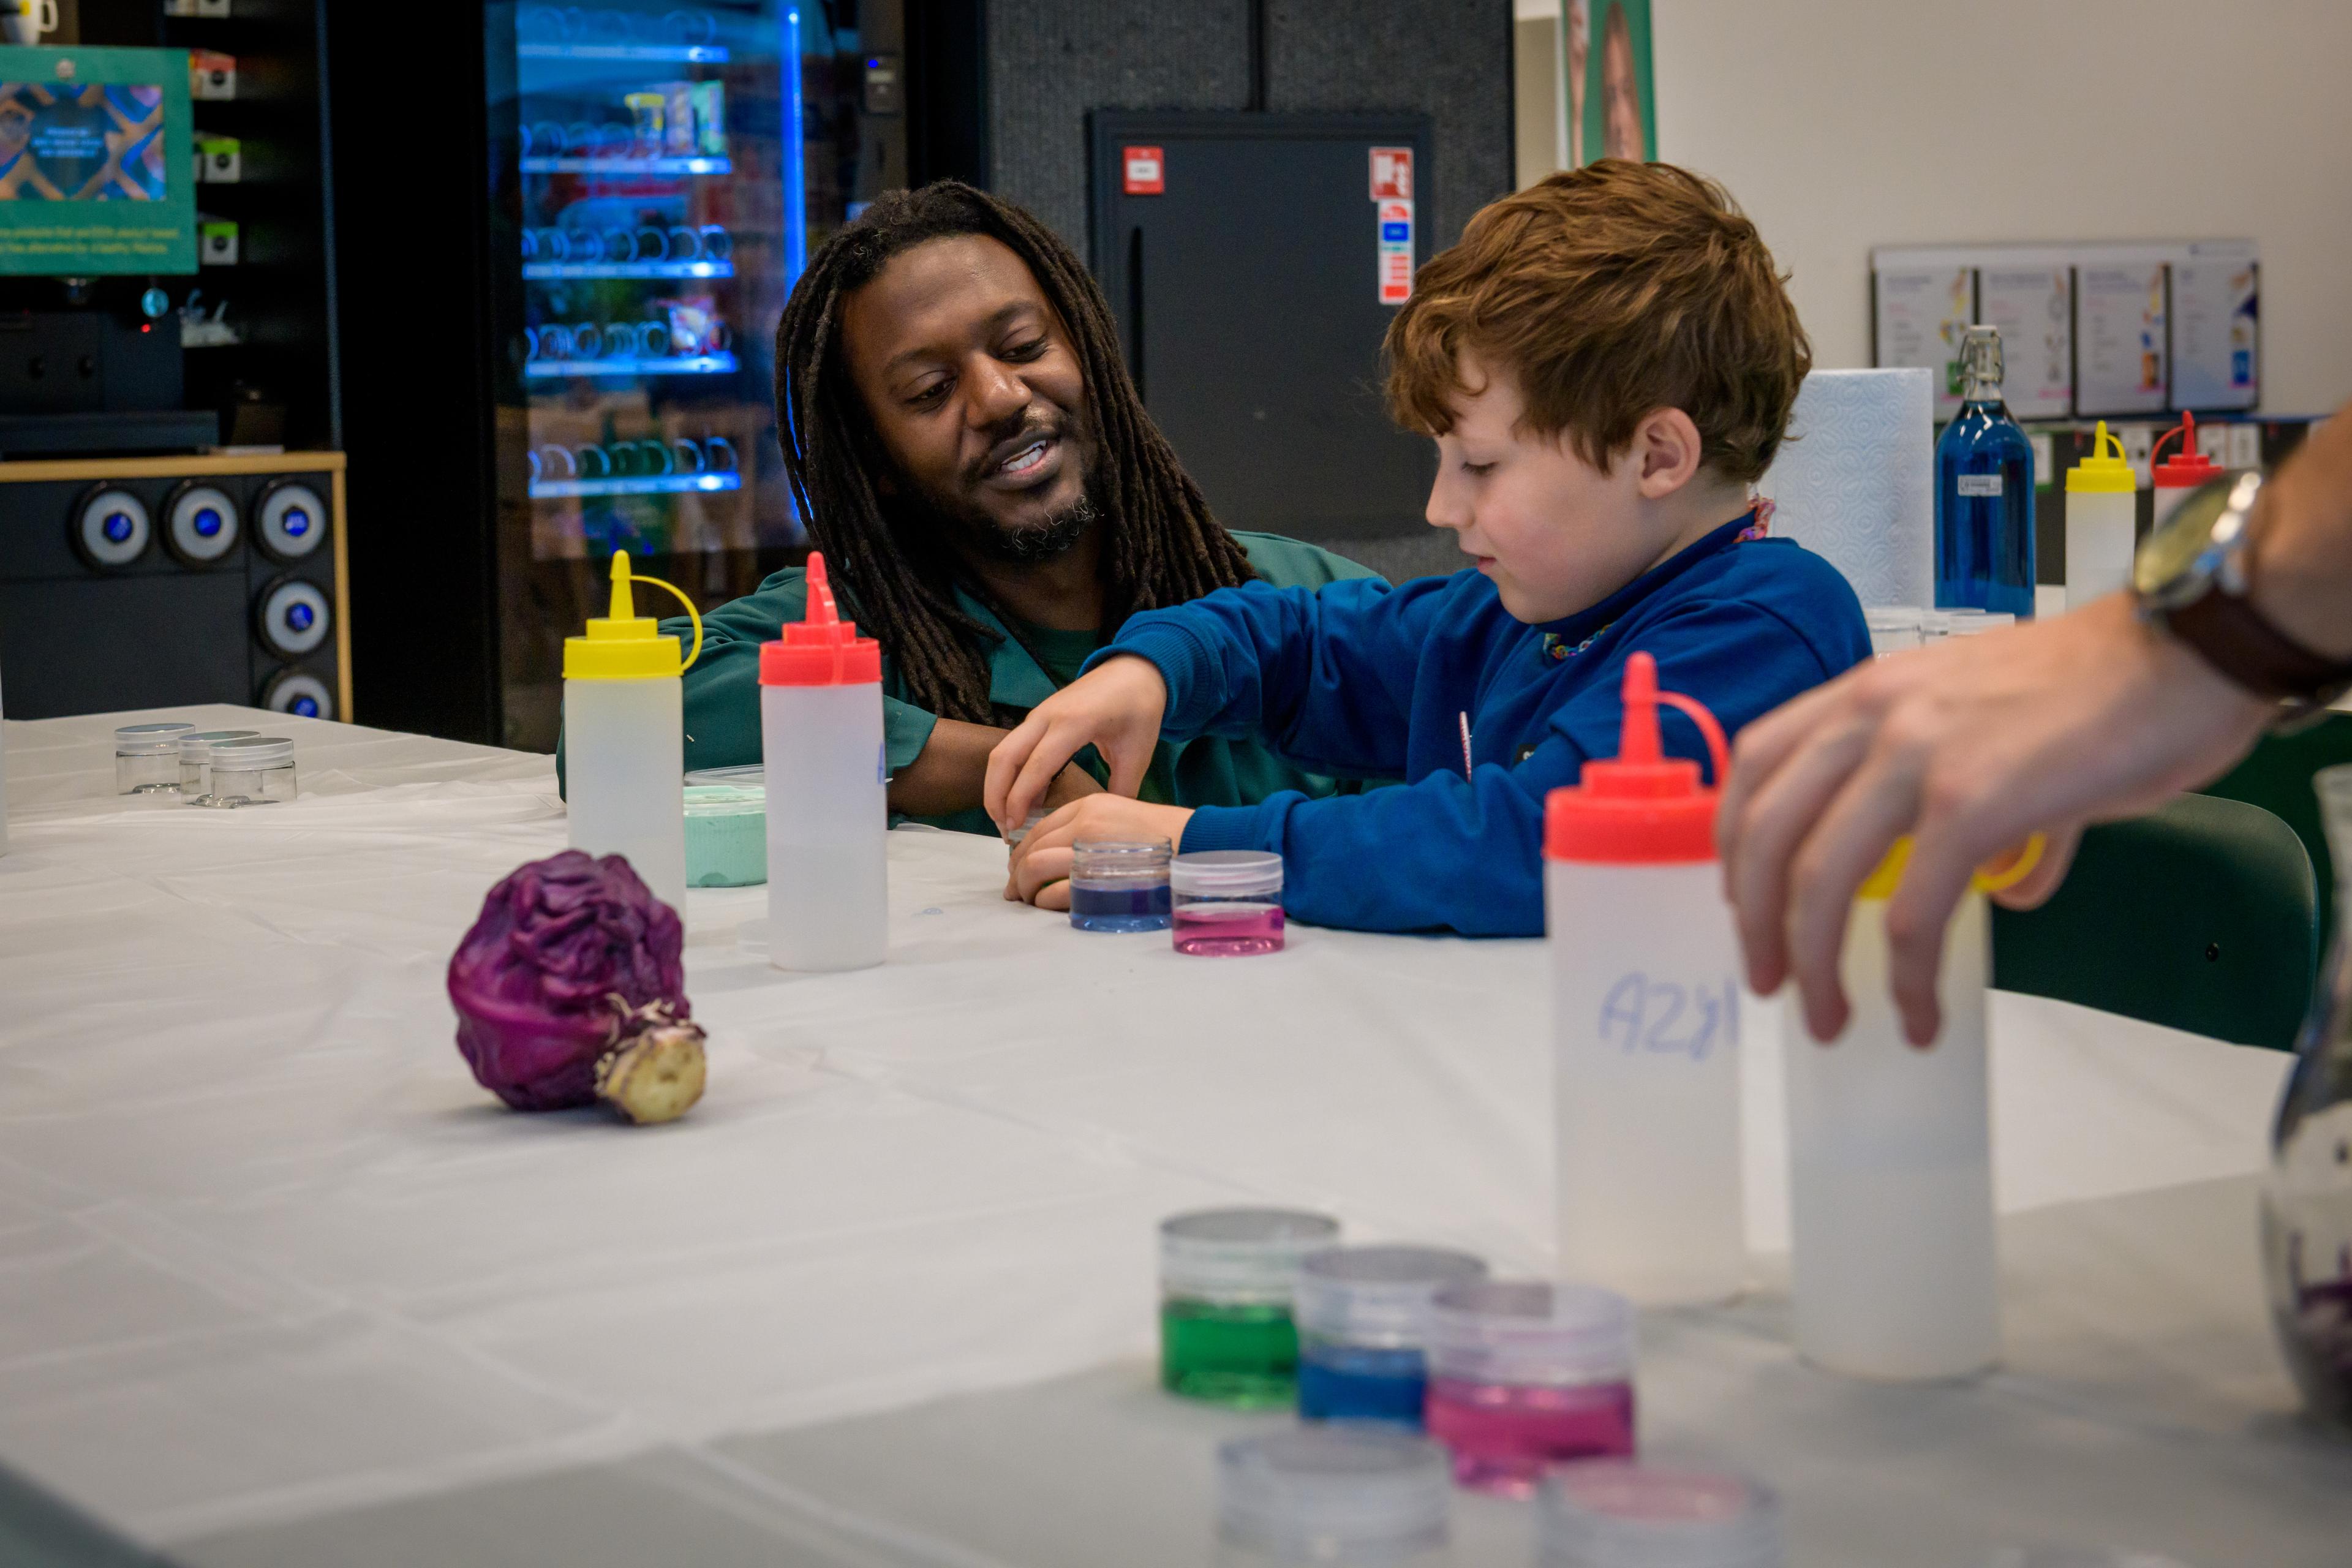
<point x="1226" y="1282"/>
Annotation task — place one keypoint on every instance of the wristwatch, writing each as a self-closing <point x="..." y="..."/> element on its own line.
<point x="2190" y="578"/>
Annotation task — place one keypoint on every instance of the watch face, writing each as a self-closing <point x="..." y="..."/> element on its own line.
<point x="2173" y="565"/>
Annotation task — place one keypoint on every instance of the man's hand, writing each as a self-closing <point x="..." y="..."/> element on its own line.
<point x="1116" y="708"/>
<point x="1969" y="746"/>
<point x="1040" y="862"/>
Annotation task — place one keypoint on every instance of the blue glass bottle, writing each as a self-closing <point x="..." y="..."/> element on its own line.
<point x="1984" y="493"/>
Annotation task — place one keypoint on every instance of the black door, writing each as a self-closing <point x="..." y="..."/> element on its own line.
<point x="1248" y="292"/>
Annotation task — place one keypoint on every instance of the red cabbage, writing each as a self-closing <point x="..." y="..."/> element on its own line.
<point x="565" y="949"/>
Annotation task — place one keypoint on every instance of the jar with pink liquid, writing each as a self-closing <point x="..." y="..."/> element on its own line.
<point x="1524" y="1375"/>
<point x="1226" y="903"/>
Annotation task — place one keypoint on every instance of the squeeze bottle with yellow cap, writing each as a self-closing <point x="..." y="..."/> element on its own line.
<point x="1890" y="1160"/>
<point x="1645" y="1018"/>
<point x="821" y="735"/>
<point x="624" y="739"/>
<point x="2102" y="502"/>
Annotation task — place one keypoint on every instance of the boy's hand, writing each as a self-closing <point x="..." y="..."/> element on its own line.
<point x="1040" y="871"/>
<point x="1115" y="708"/>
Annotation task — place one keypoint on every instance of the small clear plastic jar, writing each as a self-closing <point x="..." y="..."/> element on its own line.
<point x="1344" y="1493"/>
<point x="1525" y="1374"/>
<point x="1119" y="886"/>
<point x="1363" y="1320"/>
<point x="1976" y="622"/>
<point x="1607" y="1511"/>
<point x="196" y="759"/>
<point x="147" y="758"/>
<point x="258" y="771"/>
<point x="1226" y="1277"/>
<point x="726" y="834"/>
<point x="1226" y="902"/>
<point x="1894" y="628"/>
<point x="1028" y="825"/>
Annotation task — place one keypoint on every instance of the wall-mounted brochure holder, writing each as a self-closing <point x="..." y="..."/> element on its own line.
<point x="2089" y="331"/>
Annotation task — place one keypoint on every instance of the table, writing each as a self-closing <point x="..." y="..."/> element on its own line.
<point x="279" y="1283"/>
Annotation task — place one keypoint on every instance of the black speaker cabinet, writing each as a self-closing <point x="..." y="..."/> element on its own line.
<point x="155" y="582"/>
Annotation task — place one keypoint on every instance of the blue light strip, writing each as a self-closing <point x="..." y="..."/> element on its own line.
<point x="650" y="485"/>
<point x="691" y="54"/>
<point x="628" y="269"/>
<point x="684" y="364"/>
<point x="627" y="167"/>
<point x="795" y="190"/>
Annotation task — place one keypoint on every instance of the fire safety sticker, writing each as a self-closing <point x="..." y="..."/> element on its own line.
<point x="1145" y="172"/>
<point x="1391" y="174"/>
<point x="1395" y="251"/>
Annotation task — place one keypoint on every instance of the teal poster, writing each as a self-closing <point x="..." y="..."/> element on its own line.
<point x="1611" y="93"/>
<point x="95" y="161"/>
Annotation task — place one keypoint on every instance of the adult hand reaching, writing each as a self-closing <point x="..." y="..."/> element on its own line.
<point x="1114" y="707"/>
<point x="1969" y="746"/>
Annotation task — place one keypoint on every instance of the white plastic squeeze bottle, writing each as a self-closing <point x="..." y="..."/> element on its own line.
<point x="2183" y="471"/>
<point x="821" y="730"/>
<point x="2102" y="508"/>
<point x="1890" y="1160"/>
<point x="1645" y="1018"/>
<point x="624" y="739"/>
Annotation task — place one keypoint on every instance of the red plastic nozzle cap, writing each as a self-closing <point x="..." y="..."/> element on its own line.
<point x="1641" y="807"/>
<point x="823" y="649"/>
<point x="2188" y="467"/>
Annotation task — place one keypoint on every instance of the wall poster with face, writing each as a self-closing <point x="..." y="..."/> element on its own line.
<point x="1611" y="93"/>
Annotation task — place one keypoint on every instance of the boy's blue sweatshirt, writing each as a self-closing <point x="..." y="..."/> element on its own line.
<point x="1364" y="680"/>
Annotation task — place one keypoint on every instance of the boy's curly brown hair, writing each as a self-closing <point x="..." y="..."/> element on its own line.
<point x="1607" y="292"/>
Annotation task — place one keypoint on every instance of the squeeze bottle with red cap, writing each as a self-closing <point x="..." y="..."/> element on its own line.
<point x="2183" y="471"/>
<point x="624" y="739"/>
<point x="1645" y="1018"/>
<point x="2102" y="502"/>
<point x="821" y="736"/>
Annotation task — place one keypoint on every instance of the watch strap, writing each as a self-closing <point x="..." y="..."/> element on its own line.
<point x="2237" y="639"/>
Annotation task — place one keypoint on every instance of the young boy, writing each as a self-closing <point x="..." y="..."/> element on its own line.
<point x="1607" y="363"/>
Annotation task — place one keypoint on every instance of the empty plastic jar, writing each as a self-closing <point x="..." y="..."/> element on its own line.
<point x="1226" y="1277"/>
<point x="147" y="758"/>
<point x="1363" y="1320"/>
<point x="1226" y="902"/>
<point x="1893" y="627"/>
<point x="1118" y="886"/>
<point x="1028" y="825"/>
<point x="196" y="759"/>
<point x="1976" y="622"/>
<point x="1524" y="1375"/>
<point x="258" y="771"/>
<point x="1612" y="1514"/>
<point x="1349" y="1493"/>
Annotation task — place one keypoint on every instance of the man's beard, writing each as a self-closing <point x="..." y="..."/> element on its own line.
<point x="1056" y="536"/>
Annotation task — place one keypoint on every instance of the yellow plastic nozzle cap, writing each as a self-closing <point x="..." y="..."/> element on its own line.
<point x="2099" y="473"/>
<point x="1988" y="878"/>
<point x="623" y="645"/>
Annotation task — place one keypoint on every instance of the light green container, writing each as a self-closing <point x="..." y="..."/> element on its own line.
<point x="726" y="834"/>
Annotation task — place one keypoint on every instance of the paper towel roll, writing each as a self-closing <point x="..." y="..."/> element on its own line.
<point x="1855" y="481"/>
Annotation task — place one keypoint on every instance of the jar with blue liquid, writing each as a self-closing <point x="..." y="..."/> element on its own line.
<point x="1984" y="492"/>
<point x="1119" y="886"/>
<point x="1362" y="1315"/>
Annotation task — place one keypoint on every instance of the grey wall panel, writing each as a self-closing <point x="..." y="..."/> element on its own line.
<point x="1452" y="62"/>
<point x="1050" y="62"/>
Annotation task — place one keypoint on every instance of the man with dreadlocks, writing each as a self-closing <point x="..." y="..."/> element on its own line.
<point x="991" y="500"/>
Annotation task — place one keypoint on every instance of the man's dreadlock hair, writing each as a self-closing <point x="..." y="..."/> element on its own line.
<point x="1160" y="546"/>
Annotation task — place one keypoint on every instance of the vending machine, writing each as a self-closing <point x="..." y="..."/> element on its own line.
<point x="646" y="181"/>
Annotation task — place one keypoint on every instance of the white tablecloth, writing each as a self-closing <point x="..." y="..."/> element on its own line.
<point x="266" y="1251"/>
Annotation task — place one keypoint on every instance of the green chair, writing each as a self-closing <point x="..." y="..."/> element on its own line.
<point x="2201" y="915"/>
<point x="2276" y="776"/>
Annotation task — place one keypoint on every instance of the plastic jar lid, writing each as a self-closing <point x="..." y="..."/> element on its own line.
<point x="1346" y="1491"/>
<point x="749" y="775"/>
<point x="197" y="747"/>
<point x="726" y="800"/>
<point x="1243" y="1256"/>
<point x="1893" y="618"/>
<point x="149" y="740"/>
<point x="1603" y="1513"/>
<point x="259" y="752"/>
<point x="1226" y="872"/>
<point x="1377" y="1295"/>
<point x="1116" y="860"/>
<point x="1530" y="1332"/>
<point x="1975" y="623"/>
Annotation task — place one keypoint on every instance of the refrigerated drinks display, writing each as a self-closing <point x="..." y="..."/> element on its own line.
<point x="659" y="173"/>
